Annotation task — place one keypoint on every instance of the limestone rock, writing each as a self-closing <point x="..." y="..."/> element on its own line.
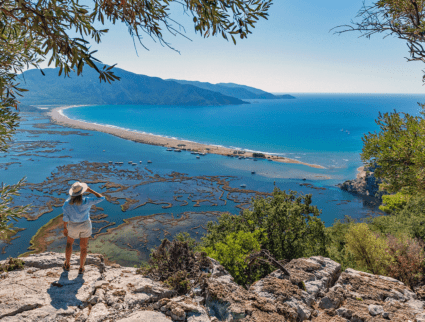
<point x="365" y="184"/>
<point x="316" y="291"/>
<point x="345" y="313"/>
<point x="420" y="317"/>
<point x="219" y="273"/>
<point x="45" y="293"/>
<point x="98" y="312"/>
<point x="50" y="260"/>
<point x="198" y="316"/>
<point x="145" y="316"/>
<point x="83" y="315"/>
<point x="182" y="307"/>
<point x="317" y="274"/>
<point x="367" y="295"/>
<point x="375" y="310"/>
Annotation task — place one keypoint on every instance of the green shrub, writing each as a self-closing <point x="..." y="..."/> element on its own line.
<point x="409" y="256"/>
<point x="179" y="281"/>
<point x="290" y="221"/>
<point x="12" y="264"/>
<point x="394" y="203"/>
<point x="336" y="246"/>
<point x="175" y="264"/>
<point x="291" y="224"/>
<point x="369" y="249"/>
<point x="185" y="238"/>
<point x="413" y="217"/>
<point x="409" y="221"/>
<point x="233" y="250"/>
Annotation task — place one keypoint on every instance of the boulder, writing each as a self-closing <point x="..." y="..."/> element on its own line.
<point x="368" y="297"/>
<point x="314" y="274"/>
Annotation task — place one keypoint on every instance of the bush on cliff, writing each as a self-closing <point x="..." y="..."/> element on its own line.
<point x="394" y="203"/>
<point x="176" y="264"/>
<point x="234" y="249"/>
<point x="409" y="221"/>
<point x="386" y="245"/>
<point x="291" y="225"/>
<point x="379" y="237"/>
<point x="12" y="264"/>
<point x="408" y="265"/>
<point x="369" y="249"/>
<point x="336" y="245"/>
<point x="184" y="237"/>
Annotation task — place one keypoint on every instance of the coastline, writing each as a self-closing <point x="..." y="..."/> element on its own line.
<point x="56" y="116"/>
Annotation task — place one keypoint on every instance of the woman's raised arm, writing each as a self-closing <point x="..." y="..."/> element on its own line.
<point x="94" y="192"/>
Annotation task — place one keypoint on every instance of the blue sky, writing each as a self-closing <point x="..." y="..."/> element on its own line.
<point x="294" y="51"/>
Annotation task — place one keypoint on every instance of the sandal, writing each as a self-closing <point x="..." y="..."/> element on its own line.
<point x="81" y="270"/>
<point x="65" y="267"/>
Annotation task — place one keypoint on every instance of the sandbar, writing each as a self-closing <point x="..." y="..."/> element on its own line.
<point x="58" y="117"/>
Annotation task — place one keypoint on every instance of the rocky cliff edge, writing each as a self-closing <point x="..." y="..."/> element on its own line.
<point x="366" y="184"/>
<point x="317" y="290"/>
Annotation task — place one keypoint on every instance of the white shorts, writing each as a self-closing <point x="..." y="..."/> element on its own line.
<point x="79" y="229"/>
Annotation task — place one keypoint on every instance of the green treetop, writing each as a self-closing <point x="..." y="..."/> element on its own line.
<point x="398" y="151"/>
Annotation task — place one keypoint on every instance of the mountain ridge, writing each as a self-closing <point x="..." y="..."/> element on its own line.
<point x="131" y="89"/>
<point x="234" y="90"/>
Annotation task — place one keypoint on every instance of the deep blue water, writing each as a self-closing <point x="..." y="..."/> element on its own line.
<point x="307" y="128"/>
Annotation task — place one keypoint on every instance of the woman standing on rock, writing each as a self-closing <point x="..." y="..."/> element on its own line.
<point x="76" y="221"/>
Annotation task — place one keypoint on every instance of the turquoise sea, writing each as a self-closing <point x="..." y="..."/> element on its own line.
<point x="307" y="128"/>
<point x="324" y="129"/>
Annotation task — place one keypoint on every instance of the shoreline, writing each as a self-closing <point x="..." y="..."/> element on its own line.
<point x="57" y="117"/>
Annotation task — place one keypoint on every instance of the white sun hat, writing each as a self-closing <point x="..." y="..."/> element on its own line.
<point x="77" y="189"/>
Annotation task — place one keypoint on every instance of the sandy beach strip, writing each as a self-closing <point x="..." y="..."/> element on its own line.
<point x="58" y="117"/>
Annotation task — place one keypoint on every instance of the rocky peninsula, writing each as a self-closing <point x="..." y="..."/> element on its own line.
<point x="365" y="184"/>
<point x="316" y="290"/>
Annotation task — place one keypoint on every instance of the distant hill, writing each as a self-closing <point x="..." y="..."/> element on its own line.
<point x="234" y="90"/>
<point x="131" y="89"/>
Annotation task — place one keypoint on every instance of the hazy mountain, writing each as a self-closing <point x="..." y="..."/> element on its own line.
<point x="27" y="108"/>
<point x="131" y="89"/>
<point x="234" y="90"/>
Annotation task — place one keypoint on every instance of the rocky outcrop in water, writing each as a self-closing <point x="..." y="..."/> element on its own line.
<point x="317" y="290"/>
<point x="365" y="184"/>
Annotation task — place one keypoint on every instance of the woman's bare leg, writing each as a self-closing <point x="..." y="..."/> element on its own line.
<point x="83" y="251"/>
<point x="68" y="250"/>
